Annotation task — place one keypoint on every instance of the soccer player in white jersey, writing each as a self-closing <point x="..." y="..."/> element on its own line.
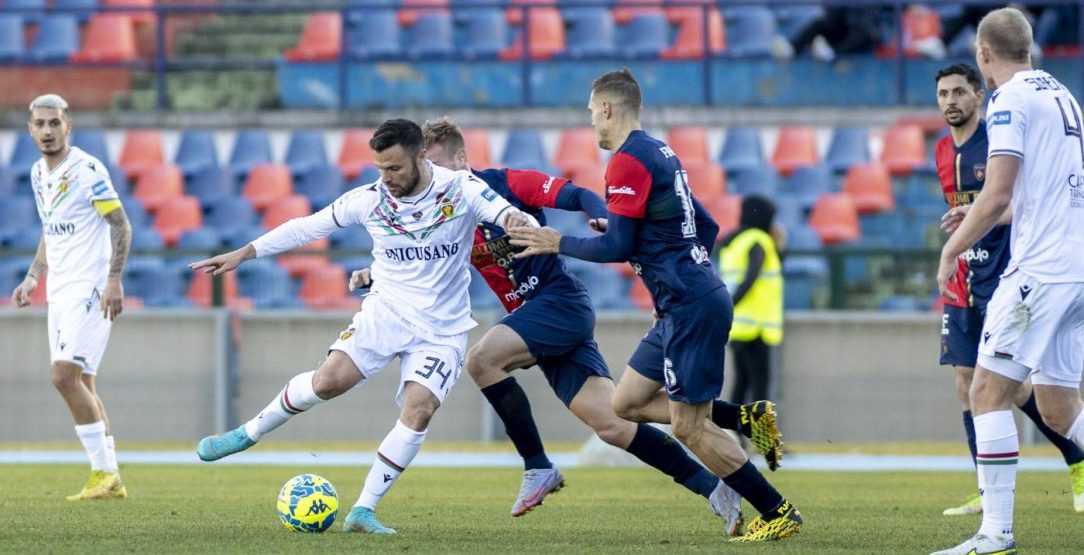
<point x="1035" y="319"/>
<point x="84" y="245"/>
<point x="422" y="219"/>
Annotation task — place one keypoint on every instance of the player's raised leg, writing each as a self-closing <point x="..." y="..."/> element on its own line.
<point x="1070" y="451"/>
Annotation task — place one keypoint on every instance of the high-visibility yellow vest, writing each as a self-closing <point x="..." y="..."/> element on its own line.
<point x="760" y="312"/>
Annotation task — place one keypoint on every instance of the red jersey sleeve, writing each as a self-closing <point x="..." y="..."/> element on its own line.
<point x="944" y="155"/>
<point x="628" y="184"/>
<point x="535" y="189"/>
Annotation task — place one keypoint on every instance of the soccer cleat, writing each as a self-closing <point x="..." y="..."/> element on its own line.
<point x="363" y="519"/>
<point x="101" y="485"/>
<point x="212" y="448"/>
<point x="786" y="524"/>
<point x="1076" y="480"/>
<point x="726" y="503"/>
<point x="973" y="506"/>
<point x="537" y="484"/>
<point x="758" y="424"/>
<point x="982" y="545"/>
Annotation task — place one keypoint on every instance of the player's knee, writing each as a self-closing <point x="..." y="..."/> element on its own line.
<point x="688" y="431"/>
<point x="417" y="416"/>
<point x="1056" y="419"/>
<point x="626" y="409"/>
<point x="65" y="378"/>
<point x="614" y="431"/>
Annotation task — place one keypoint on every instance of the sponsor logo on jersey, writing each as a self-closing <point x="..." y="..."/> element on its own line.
<point x="976" y="255"/>
<point x="425" y="252"/>
<point x="546" y="186"/>
<point x="524" y="288"/>
<point x="624" y="190"/>
<point x="98" y="188"/>
<point x="489" y="194"/>
<point x="1003" y="117"/>
<point x="59" y="229"/>
<point x="980" y="171"/>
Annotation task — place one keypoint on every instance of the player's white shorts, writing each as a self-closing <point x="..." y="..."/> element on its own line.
<point x="78" y="332"/>
<point x="377" y="335"/>
<point x="1035" y="328"/>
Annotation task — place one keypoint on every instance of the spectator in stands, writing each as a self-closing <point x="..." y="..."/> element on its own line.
<point x="750" y="266"/>
<point x="841" y="31"/>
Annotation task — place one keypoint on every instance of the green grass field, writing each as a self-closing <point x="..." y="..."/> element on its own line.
<point x="220" y="509"/>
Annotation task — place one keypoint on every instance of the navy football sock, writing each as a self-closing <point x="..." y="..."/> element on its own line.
<point x="663" y="452"/>
<point x="510" y="402"/>
<point x="1070" y="451"/>
<point x="726" y="415"/>
<point x="969" y="429"/>
<point x="751" y="485"/>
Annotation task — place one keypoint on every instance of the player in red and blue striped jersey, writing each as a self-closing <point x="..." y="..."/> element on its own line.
<point x="656" y="224"/>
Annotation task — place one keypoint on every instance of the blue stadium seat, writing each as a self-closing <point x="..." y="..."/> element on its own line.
<point x="749" y="31"/>
<point x="92" y="141"/>
<point x="23" y="157"/>
<point x="742" y="150"/>
<point x="353" y="237"/>
<point x="430" y="37"/>
<point x="147" y="238"/>
<point x="762" y="180"/>
<point x="790" y="212"/>
<point x="919" y="190"/>
<point x="12" y="271"/>
<point x="268" y="285"/>
<point x="849" y="146"/>
<point x="230" y="212"/>
<point x="12" y="41"/>
<point x="809" y="182"/>
<point x="881" y="230"/>
<point x="485" y="33"/>
<point x="204" y="238"/>
<point x="137" y="215"/>
<point x="481" y="296"/>
<point x="137" y="274"/>
<point x="17" y="212"/>
<point x="119" y="178"/>
<point x="523" y="150"/>
<point x="573" y="224"/>
<point x="196" y="153"/>
<point x="88" y="8"/>
<point x="209" y="185"/>
<point x="369" y="174"/>
<point x="321" y="185"/>
<point x="591" y="32"/>
<point x="795" y="18"/>
<point x="375" y="35"/>
<point x="35" y="9"/>
<point x="25" y="238"/>
<point x="252" y="146"/>
<point x="165" y="287"/>
<point x="7" y="182"/>
<point x="607" y="288"/>
<point x="645" y="36"/>
<point x="237" y="237"/>
<point x="57" y="39"/>
<point x="306" y="151"/>
<point x="366" y="7"/>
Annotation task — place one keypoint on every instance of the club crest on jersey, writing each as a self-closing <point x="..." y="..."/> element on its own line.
<point x="417" y="215"/>
<point x="346" y="334"/>
<point x="980" y="171"/>
<point x="1001" y="118"/>
<point x="447" y="210"/>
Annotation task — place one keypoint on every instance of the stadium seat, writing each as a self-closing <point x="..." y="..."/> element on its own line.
<point x="91" y="141"/>
<point x="299" y="264"/>
<point x="742" y="149"/>
<point x="761" y="180"/>
<point x="137" y="215"/>
<point x="320" y="41"/>
<point x="870" y="187"/>
<point x="284" y="209"/>
<point x="796" y="146"/>
<point x="486" y="34"/>
<point x="646" y="36"/>
<point x="12" y="38"/>
<point x="591" y="33"/>
<point x="321" y="186"/>
<point x="267" y="284"/>
<point x="121" y="184"/>
<point x="34" y="9"/>
<point x="430" y="37"/>
<point x="626" y="10"/>
<point x="146" y="238"/>
<point x="413" y="10"/>
<point x="138" y="275"/>
<point x="726" y="211"/>
<point x="237" y="237"/>
<point x="327" y="288"/>
<point x="86" y="8"/>
<point x="689" y="41"/>
<point x="142" y="151"/>
<point x="849" y="146"/>
<point x="921" y="191"/>
<point x="789" y="211"/>
<point x="201" y="291"/>
<point x="904" y="149"/>
<point x="835" y="219"/>
<point x="369" y="174"/>
<point x="477" y="143"/>
<point x="573" y="224"/>
<point x="7" y="182"/>
<point x="523" y="149"/>
<point x="252" y="146"/>
<point x="56" y="40"/>
<point x="230" y="213"/>
<point x="605" y="285"/>
<point x="706" y="179"/>
<point x="16" y="213"/>
<point x="576" y="147"/>
<point x="376" y="36"/>
<point x="639" y="295"/>
<point x="109" y="37"/>
<point x="547" y="36"/>
<point x="306" y="151"/>
<point x="203" y="238"/>
<point x="177" y="215"/>
<point x="352" y="238"/>
<point x="921" y="25"/>
<point x="196" y="153"/>
<point x="267" y="182"/>
<point x="690" y="143"/>
<point x="591" y="177"/>
<point x="158" y="184"/>
<point x="793" y="18"/>
<point x="355" y="153"/>
<point x="514" y="13"/>
<point x="141" y="12"/>
<point x="23" y="157"/>
<point x="749" y="31"/>
<point x="808" y="183"/>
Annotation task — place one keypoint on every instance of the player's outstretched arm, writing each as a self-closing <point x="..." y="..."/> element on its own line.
<point x="223" y="263"/>
<point x="121" y="233"/>
<point x="615" y="245"/>
<point x="21" y="295"/>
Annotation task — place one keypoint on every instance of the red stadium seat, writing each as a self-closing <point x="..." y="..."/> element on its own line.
<point x="726" y="211"/>
<point x="624" y="14"/>
<point x="796" y="146"/>
<point x="266" y="183"/>
<point x="201" y="291"/>
<point x="142" y="150"/>
<point x="690" y="143"/>
<point x="577" y="147"/>
<point x="870" y="187"/>
<point x="177" y="215"/>
<point x="109" y="37"/>
<point x="514" y="15"/>
<point x="140" y="15"/>
<point x="284" y="209"/>
<point x="321" y="39"/>
<point x="355" y="153"/>
<point x="707" y="180"/>
<point x="477" y="141"/>
<point x="547" y="36"/>
<point x="639" y="295"/>
<point x="327" y="288"/>
<point x="298" y="265"/>
<point x="158" y="184"/>
<point x="835" y="219"/>
<point x="920" y="23"/>
<point x="904" y="149"/>
<point x="591" y="177"/>
<point x="689" y="42"/>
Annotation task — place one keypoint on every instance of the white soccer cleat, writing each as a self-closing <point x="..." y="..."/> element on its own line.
<point x="537" y="484"/>
<point x="726" y="503"/>
<point x="980" y="544"/>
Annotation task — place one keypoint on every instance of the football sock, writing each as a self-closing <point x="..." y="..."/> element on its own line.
<point x="92" y="436"/>
<point x="297" y="397"/>
<point x="726" y="415"/>
<point x="1076" y="431"/>
<point x="110" y="455"/>
<point x="510" y="402"/>
<point x="663" y="452"/>
<point x="1070" y="451"/>
<point x="969" y="429"/>
<point x="751" y="485"/>
<point x="392" y="458"/>
<point x="998" y="451"/>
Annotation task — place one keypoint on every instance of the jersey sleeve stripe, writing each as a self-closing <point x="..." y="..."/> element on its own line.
<point x="334" y="218"/>
<point x="1006" y="152"/>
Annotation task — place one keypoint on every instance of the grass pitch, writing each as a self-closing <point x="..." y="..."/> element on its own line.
<point x="231" y="509"/>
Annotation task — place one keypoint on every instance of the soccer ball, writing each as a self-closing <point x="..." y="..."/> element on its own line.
<point x="308" y="503"/>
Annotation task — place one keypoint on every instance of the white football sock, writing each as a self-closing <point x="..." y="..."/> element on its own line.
<point x="1076" y="431"/>
<point x="110" y="455"/>
<point x="392" y="458"/>
<point x="998" y="452"/>
<point x="92" y="437"/>
<point x="296" y="398"/>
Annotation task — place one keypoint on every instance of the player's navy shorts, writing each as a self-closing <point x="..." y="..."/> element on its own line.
<point x="686" y="348"/>
<point x="560" y="331"/>
<point x="961" y="329"/>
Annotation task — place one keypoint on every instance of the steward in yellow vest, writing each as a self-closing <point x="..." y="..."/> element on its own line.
<point x="752" y="272"/>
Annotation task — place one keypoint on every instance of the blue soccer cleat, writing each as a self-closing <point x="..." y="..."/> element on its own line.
<point x="363" y="519"/>
<point x="212" y="448"/>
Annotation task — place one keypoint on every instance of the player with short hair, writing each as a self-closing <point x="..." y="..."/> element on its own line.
<point x="85" y="242"/>
<point x="422" y="219"/>
<point x="655" y="223"/>
<point x="961" y="167"/>
<point x="1036" y="315"/>
<point x="551" y="323"/>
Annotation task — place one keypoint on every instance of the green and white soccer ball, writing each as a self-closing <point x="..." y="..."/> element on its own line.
<point x="308" y="503"/>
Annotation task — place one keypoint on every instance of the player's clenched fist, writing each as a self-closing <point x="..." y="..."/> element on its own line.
<point x="361" y="279"/>
<point x="21" y="295"/>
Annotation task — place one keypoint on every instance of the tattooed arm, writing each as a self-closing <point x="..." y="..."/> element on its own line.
<point x="21" y="295"/>
<point x="121" y="233"/>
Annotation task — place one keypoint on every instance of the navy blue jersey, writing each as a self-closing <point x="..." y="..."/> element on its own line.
<point x="645" y="182"/>
<point x="962" y="172"/>
<point x="517" y="280"/>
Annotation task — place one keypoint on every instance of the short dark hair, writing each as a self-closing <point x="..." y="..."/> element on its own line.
<point x="443" y="131"/>
<point x="757" y="211"/>
<point x="401" y="132"/>
<point x="621" y="85"/>
<point x="967" y="71"/>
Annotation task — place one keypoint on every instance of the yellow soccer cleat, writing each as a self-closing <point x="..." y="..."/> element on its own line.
<point x="973" y="506"/>
<point x="788" y="523"/>
<point x="101" y="485"/>
<point x="1076" y="480"/>
<point x="757" y="423"/>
